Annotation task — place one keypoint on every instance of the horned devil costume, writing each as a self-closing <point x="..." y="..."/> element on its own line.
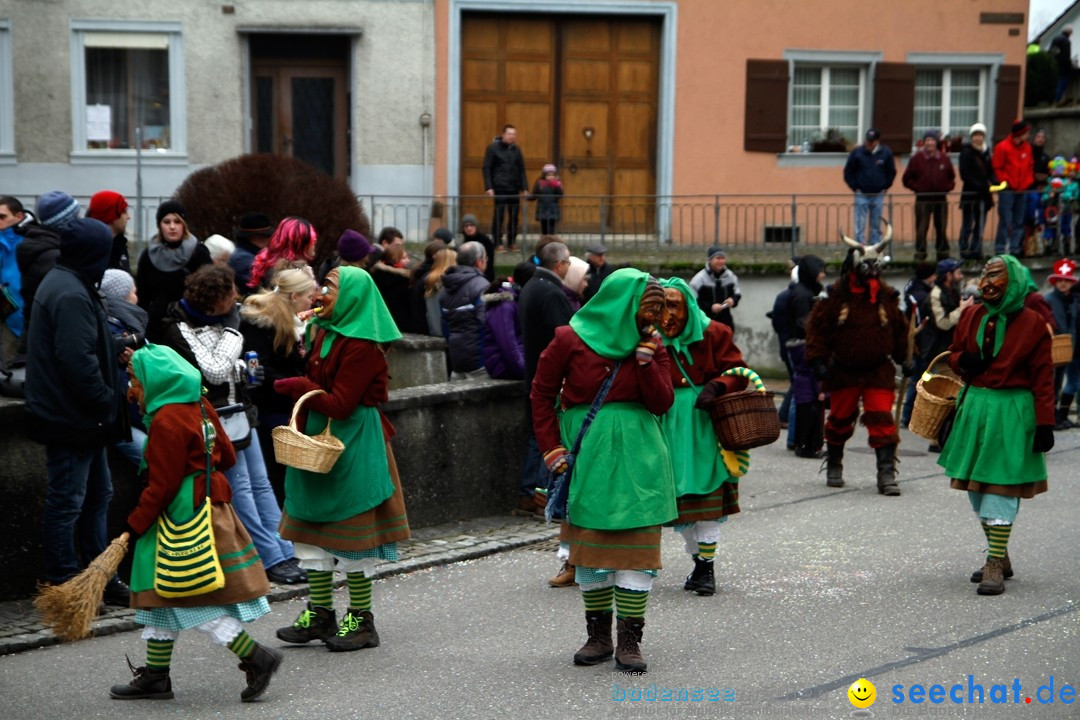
<point x="852" y="339"/>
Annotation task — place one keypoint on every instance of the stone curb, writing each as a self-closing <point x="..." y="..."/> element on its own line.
<point x="123" y="620"/>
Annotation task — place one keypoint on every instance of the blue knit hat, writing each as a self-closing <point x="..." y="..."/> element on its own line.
<point x="55" y="209"/>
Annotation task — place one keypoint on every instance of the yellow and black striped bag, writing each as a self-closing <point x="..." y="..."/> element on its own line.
<point x="186" y="562"/>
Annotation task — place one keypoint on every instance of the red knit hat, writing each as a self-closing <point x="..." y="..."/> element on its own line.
<point x="107" y="206"/>
<point x="1064" y="269"/>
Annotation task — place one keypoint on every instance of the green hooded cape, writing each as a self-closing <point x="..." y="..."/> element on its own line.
<point x="166" y="378"/>
<point x="696" y="320"/>
<point x="359" y="311"/>
<point x="608" y="322"/>
<point x="1020" y="286"/>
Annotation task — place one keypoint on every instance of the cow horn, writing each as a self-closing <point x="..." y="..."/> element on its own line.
<point x="848" y="240"/>
<point x="880" y="247"/>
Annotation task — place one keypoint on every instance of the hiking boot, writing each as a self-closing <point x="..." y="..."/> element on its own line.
<point x="565" y="577"/>
<point x="886" y="470"/>
<point x="598" y="647"/>
<point x="993" y="577"/>
<point x="356" y="631"/>
<point x="146" y="684"/>
<point x="628" y="654"/>
<point x="834" y="465"/>
<point x="1006" y="570"/>
<point x="313" y="623"/>
<point x="259" y="667"/>
<point x="701" y="580"/>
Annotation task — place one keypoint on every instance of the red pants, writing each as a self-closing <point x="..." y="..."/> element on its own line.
<point x="877" y="415"/>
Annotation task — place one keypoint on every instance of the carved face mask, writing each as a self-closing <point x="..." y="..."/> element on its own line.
<point x="651" y="307"/>
<point x="994" y="282"/>
<point x="673" y="319"/>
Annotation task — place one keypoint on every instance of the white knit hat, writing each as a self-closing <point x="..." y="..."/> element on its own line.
<point x="977" y="128"/>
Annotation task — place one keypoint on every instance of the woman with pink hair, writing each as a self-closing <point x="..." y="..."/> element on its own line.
<point x="292" y="242"/>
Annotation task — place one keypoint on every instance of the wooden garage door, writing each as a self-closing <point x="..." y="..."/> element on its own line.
<point x="582" y="92"/>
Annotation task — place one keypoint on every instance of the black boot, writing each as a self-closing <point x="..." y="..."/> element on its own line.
<point x="834" y="465"/>
<point x="146" y="684"/>
<point x="356" y="631"/>
<point x="598" y="647"/>
<point x="1061" y="417"/>
<point x="259" y="667"/>
<point x="313" y="623"/>
<point x="886" y="470"/>
<point x="701" y="580"/>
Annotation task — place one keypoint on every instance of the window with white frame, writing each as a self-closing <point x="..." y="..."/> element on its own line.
<point x="949" y="99"/>
<point x="7" y="92"/>
<point x="827" y="104"/>
<point x="127" y="86"/>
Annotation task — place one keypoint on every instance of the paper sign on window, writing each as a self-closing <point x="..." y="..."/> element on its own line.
<point x="98" y="123"/>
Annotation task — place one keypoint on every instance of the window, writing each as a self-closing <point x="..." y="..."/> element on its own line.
<point x="827" y="106"/>
<point x="949" y="99"/>
<point x="7" y="115"/>
<point x="127" y="77"/>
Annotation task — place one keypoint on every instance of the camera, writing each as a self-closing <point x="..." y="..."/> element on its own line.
<point x="129" y="340"/>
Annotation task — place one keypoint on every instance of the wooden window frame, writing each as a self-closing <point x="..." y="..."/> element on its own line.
<point x="946" y="95"/>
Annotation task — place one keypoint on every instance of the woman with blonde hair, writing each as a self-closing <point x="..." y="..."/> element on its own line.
<point x="271" y="326"/>
<point x="444" y="260"/>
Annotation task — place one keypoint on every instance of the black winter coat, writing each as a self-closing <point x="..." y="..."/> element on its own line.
<point x="259" y="336"/>
<point x="803" y="294"/>
<point x="542" y="307"/>
<point x="977" y="173"/>
<point x="463" y="313"/>
<point x="73" y="393"/>
<point x="36" y="255"/>
<point x="158" y="289"/>
<point x="504" y="168"/>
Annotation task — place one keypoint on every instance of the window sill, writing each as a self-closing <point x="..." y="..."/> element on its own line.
<point x="126" y="157"/>
<point x="8" y="158"/>
<point x="811" y="159"/>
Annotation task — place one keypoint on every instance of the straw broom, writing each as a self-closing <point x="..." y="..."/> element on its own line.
<point x="69" y="608"/>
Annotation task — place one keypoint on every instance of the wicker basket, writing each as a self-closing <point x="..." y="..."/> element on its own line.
<point x="745" y="419"/>
<point x="1061" y="350"/>
<point x="315" y="453"/>
<point x="935" y="397"/>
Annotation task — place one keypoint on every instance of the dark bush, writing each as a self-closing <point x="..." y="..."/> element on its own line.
<point x="216" y="197"/>
<point x="1040" y="82"/>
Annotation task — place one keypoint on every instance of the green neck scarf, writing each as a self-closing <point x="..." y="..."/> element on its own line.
<point x="608" y="322"/>
<point x="1020" y="286"/>
<point x="166" y="378"/>
<point x="696" y="320"/>
<point x="358" y="313"/>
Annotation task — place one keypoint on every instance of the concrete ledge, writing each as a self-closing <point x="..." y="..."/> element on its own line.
<point x="416" y="360"/>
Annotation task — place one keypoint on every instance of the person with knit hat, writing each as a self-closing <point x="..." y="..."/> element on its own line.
<point x="111" y="208"/>
<point x="717" y="287"/>
<point x="930" y="175"/>
<point x="172" y="255"/>
<point x="74" y="404"/>
<point x="1014" y="166"/>
<point x="127" y="322"/>
<point x="706" y="475"/>
<point x="252" y="235"/>
<point x="353" y="516"/>
<point x="977" y="175"/>
<point x="1065" y="304"/>
<point x="36" y="255"/>
<point x="1004" y="422"/>
<point x="622" y="487"/>
<point x="547" y="192"/>
<point x="186" y="442"/>
<point x="471" y="230"/>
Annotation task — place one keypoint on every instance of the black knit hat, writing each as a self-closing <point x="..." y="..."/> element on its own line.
<point x="171" y="207"/>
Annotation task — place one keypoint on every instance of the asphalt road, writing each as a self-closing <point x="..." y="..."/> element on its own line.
<point x="818" y="587"/>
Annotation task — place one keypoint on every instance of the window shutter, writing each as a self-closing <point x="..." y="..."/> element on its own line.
<point x="894" y="105"/>
<point x="1008" y="101"/>
<point x="766" y="106"/>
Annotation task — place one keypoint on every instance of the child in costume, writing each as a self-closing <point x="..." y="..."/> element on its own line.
<point x="185" y="437"/>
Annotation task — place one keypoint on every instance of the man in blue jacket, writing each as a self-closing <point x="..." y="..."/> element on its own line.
<point x="869" y="172"/>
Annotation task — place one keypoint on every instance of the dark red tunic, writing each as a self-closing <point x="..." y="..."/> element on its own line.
<point x="710" y="356"/>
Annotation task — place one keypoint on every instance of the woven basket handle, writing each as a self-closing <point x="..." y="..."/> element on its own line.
<point x="749" y="374"/>
<point x="296" y="411"/>
<point x="1050" y="329"/>
<point x="927" y="374"/>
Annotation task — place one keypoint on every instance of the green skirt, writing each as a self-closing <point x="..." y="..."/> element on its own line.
<point x="359" y="480"/>
<point x="622" y="475"/>
<point x="991" y="439"/>
<point x="695" y="454"/>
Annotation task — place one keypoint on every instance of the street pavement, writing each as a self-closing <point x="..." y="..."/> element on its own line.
<point x="818" y="587"/>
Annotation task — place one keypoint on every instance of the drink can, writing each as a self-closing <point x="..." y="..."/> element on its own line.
<point x="252" y="359"/>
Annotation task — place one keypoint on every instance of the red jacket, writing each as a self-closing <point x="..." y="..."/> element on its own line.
<point x="1014" y="164"/>
<point x="929" y="173"/>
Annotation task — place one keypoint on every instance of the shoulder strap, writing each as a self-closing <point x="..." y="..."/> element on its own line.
<point x="595" y="407"/>
<point x="207" y="428"/>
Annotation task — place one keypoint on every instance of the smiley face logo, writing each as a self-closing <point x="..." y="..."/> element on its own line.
<point x="862" y="693"/>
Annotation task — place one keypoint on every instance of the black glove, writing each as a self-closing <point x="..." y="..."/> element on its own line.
<point x="907" y="369"/>
<point x="820" y="369"/>
<point x="1044" y="439"/>
<point x="972" y="364"/>
<point x="712" y="390"/>
<point x="260" y="374"/>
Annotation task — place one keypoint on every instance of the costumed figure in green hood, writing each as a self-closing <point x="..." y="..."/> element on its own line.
<point x="184" y="439"/>
<point x="622" y="487"/>
<point x="706" y="476"/>
<point x="354" y="515"/>
<point x="1004" y="420"/>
